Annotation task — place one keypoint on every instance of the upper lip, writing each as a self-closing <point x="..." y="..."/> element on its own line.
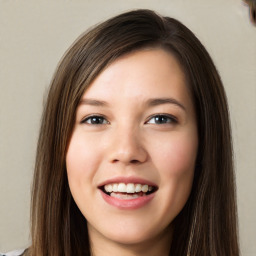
<point x="126" y="180"/>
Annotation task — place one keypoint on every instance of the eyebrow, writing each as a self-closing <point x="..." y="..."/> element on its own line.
<point x="150" y="102"/>
<point x="160" y="101"/>
<point x="94" y="102"/>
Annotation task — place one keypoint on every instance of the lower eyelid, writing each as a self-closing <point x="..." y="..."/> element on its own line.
<point x="84" y="120"/>
<point x="172" y="119"/>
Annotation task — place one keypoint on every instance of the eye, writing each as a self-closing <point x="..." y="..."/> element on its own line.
<point x="95" y="120"/>
<point x="162" y="119"/>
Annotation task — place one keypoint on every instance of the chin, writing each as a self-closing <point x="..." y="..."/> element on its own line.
<point x="131" y="237"/>
<point x="133" y="233"/>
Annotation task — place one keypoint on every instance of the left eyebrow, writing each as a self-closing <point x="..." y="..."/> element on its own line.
<point x="94" y="102"/>
<point x="160" y="101"/>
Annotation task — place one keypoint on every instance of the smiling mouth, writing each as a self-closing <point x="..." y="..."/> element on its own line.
<point x="128" y="191"/>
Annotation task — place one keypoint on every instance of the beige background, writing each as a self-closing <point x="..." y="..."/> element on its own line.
<point x="33" y="37"/>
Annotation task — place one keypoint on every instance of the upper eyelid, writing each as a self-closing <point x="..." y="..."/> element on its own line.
<point x="174" y="118"/>
<point x="163" y="114"/>
<point x="93" y="115"/>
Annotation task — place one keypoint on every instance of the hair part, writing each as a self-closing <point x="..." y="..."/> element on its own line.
<point x="207" y="225"/>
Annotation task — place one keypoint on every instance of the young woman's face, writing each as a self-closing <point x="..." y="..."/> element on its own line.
<point x="135" y="130"/>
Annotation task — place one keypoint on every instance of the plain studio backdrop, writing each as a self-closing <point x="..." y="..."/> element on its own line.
<point x="33" y="37"/>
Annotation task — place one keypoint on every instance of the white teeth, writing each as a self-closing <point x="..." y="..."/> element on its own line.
<point x="127" y="188"/>
<point x="121" y="187"/>
<point x="144" y="188"/>
<point x="115" y="187"/>
<point x="137" y="188"/>
<point x="125" y="196"/>
<point x="108" y="188"/>
<point x="130" y="188"/>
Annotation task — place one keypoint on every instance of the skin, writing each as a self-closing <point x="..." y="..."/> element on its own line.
<point x="128" y="141"/>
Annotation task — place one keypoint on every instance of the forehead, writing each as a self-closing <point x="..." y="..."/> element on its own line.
<point x="140" y="75"/>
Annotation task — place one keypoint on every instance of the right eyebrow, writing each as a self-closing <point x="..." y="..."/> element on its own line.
<point x="160" y="101"/>
<point x="93" y="102"/>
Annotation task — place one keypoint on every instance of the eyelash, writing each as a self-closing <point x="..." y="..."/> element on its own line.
<point x="85" y="121"/>
<point x="171" y="119"/>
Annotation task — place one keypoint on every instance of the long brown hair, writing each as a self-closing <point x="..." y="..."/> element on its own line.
<point x="207" y="225"/>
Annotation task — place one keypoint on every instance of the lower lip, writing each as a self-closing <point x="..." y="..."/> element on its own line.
<point x="127" y="204"/>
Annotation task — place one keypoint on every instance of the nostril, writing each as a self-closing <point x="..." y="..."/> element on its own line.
<point x="128" y="159"/>
<point x="132" y="161"/>
<point x="135" y="161"/>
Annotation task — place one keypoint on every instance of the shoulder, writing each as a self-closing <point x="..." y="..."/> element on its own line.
<point x="13" y="253"/>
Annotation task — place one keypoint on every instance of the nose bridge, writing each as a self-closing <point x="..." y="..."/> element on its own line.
<point x="127" y="145"/>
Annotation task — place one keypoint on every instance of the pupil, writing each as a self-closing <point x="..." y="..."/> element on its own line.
<point x="96" y="120"/>
<point x="161" y="119"/>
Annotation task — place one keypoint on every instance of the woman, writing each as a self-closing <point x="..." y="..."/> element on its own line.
<point x="135" y="155"/>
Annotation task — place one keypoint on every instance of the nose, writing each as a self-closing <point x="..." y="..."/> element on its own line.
<point x="127" y="147"/>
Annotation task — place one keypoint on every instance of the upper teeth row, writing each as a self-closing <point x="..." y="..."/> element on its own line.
<point x="127" y="188"/>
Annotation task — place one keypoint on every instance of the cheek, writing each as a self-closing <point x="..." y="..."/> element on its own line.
<point x="176" y="162"/>
<point x="177" y="155"/>
<point x="81" y="162"/>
